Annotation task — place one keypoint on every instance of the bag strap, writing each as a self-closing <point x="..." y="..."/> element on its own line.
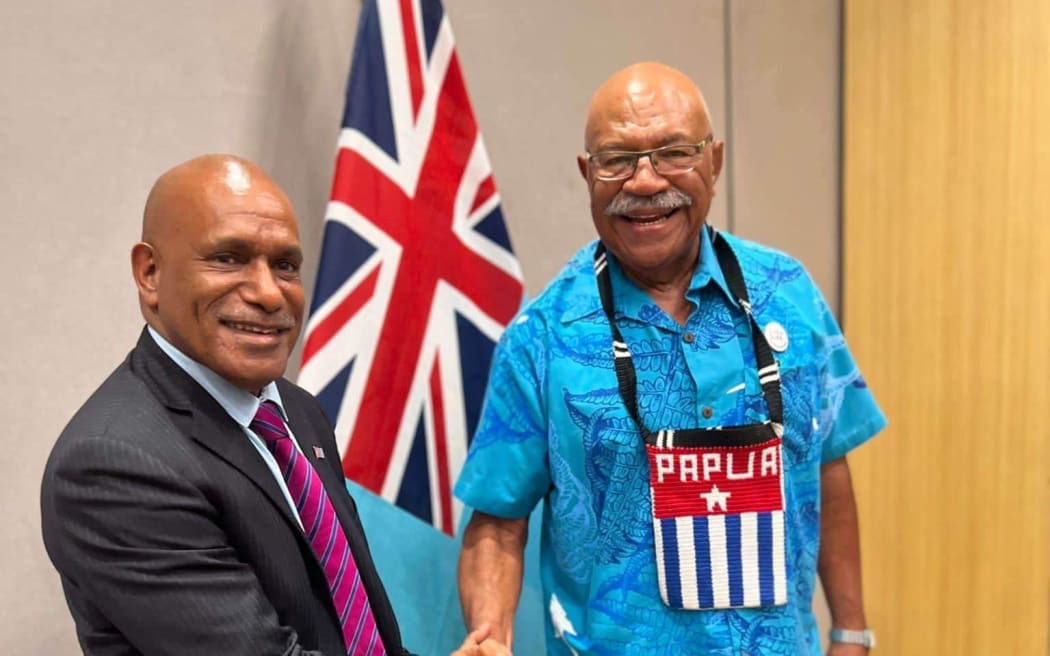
<point x="768" y="369"/>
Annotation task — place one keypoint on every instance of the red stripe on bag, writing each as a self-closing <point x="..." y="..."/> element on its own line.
<point x="715" y="480"/>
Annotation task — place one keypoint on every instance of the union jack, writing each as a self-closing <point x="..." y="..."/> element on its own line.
<point x="417" y="278"/>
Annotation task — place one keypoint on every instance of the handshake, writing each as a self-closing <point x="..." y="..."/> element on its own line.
<point x="478" y="643"/>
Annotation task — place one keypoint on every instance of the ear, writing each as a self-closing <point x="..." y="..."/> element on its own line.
<point x="718" y="151"/>
<point x="144" y="271"/>
<point x="581" y="162"/>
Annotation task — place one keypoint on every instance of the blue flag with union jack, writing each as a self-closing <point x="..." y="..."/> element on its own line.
<point x="417" y="278"/>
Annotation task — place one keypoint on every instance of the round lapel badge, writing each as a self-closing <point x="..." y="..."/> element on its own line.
<point x="776" y="336"/>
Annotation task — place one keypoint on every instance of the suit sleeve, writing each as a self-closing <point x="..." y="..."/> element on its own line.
<point x="144" y="545"/>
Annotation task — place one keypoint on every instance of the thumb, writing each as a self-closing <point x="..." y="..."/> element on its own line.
<point x="481" y="632"/>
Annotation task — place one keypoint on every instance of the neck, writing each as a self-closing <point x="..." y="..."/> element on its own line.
<point x="667" y="289"/>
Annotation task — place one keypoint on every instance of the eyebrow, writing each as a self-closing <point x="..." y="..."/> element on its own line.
<point x="675" y="138"/>
<point x="242" y="245"/>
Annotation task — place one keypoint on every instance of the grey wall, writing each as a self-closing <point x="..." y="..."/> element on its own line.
<point x="98" y="97"/>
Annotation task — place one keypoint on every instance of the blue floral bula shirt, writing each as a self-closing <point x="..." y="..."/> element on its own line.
<point x="554" y="427"/>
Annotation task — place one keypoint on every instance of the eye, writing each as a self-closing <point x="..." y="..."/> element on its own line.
<point x="679" y="153"/>
<point x="288" y="267"/>
<point x="615" y="160"/>
<point x="224" y="258"/>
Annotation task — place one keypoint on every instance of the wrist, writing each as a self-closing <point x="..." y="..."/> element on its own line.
<point x="501" y="632"/>
<point x="849" y="616"/>
<point x="862" y="637"/>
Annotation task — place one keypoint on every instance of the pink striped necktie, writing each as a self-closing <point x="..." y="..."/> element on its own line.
<point x="324" y="533"/>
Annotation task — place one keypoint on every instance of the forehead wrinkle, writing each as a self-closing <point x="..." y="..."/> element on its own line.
<point x="239" y="242"/>
<point x="261" y="202"/>
<point x="271" y="228"/>
<point x="643" y="130"/>
<point x="642" y="93"/>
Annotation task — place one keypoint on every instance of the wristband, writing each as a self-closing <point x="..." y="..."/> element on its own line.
<point x="865" y="638"/>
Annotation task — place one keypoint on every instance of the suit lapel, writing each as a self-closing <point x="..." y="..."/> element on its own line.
<point x="208" y="424"/>
<point x="214" y="429"/>
<point x="334" y="483"/>
<point x="309" y="435"/>
<point x="311" y="430"/>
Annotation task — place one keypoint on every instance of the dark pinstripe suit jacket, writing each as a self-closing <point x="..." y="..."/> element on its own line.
<point x="172" y="536"/>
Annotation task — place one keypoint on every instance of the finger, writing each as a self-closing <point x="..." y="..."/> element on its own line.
<point x="470" y="645"/>
<point x="491" y="647"/>
<point x="481" y="632"/>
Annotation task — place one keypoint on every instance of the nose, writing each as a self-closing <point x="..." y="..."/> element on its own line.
<point x="645" y="181"/>
<point x="261" y="288"/>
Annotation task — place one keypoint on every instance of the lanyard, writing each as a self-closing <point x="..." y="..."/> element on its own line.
<point x="768" y="369"/>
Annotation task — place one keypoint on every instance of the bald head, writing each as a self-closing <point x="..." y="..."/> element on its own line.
<point x="218" y="268"/>
<point x="644" y="90"/>
<point x="195" y="186"/>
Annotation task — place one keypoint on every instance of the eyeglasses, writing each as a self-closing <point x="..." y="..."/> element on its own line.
<point x="621" y="164"/>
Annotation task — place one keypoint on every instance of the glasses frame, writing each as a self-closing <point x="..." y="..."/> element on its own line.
<point x="639" y="154"/>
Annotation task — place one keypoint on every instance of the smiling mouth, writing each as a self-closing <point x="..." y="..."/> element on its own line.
<point x="648" y="220"/>
<point x="254" y="329"/>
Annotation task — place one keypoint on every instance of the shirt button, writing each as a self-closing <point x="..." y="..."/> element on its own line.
<point x="689" y="338"/>
<point x="707" y="412"/>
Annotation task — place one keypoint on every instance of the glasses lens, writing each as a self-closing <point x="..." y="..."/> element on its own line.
<point x="619" y="165"/>
<point x="674" y="159"/>
<point x="613" y="165"/>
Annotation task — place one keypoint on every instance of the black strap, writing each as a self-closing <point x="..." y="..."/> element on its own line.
<point x="625" y="374"/>
<point x="768" y="369"/>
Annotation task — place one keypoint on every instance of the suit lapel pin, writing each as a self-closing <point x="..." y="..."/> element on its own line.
<point x="319" y="453"/>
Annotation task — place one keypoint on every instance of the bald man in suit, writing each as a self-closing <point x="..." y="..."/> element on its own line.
<point x="195" y="504"/>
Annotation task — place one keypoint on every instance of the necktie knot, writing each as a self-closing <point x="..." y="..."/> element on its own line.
<point x="268" y="423"/>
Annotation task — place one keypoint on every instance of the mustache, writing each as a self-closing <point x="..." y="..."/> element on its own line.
<point x="625" y="202"/>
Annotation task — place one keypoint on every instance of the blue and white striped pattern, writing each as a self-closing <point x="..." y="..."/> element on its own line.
<point x="721" y="561"/>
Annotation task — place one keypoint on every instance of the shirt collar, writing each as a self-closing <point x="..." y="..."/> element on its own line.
<point x="630" y="300"/>
<point x="709" y="269"/>
<point x="240" y="405"/>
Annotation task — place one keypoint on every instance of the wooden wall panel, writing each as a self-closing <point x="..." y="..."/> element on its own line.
<point x="947" y="308"/>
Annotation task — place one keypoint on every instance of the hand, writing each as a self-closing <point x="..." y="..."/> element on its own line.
<point x="492" y="647"/>
<point x="471" y="645"/>
<point x="478" y="643"/>
<point x="843" y="649"/>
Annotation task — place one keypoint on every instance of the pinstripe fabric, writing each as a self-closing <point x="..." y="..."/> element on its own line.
<point x="324" y="534"/>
